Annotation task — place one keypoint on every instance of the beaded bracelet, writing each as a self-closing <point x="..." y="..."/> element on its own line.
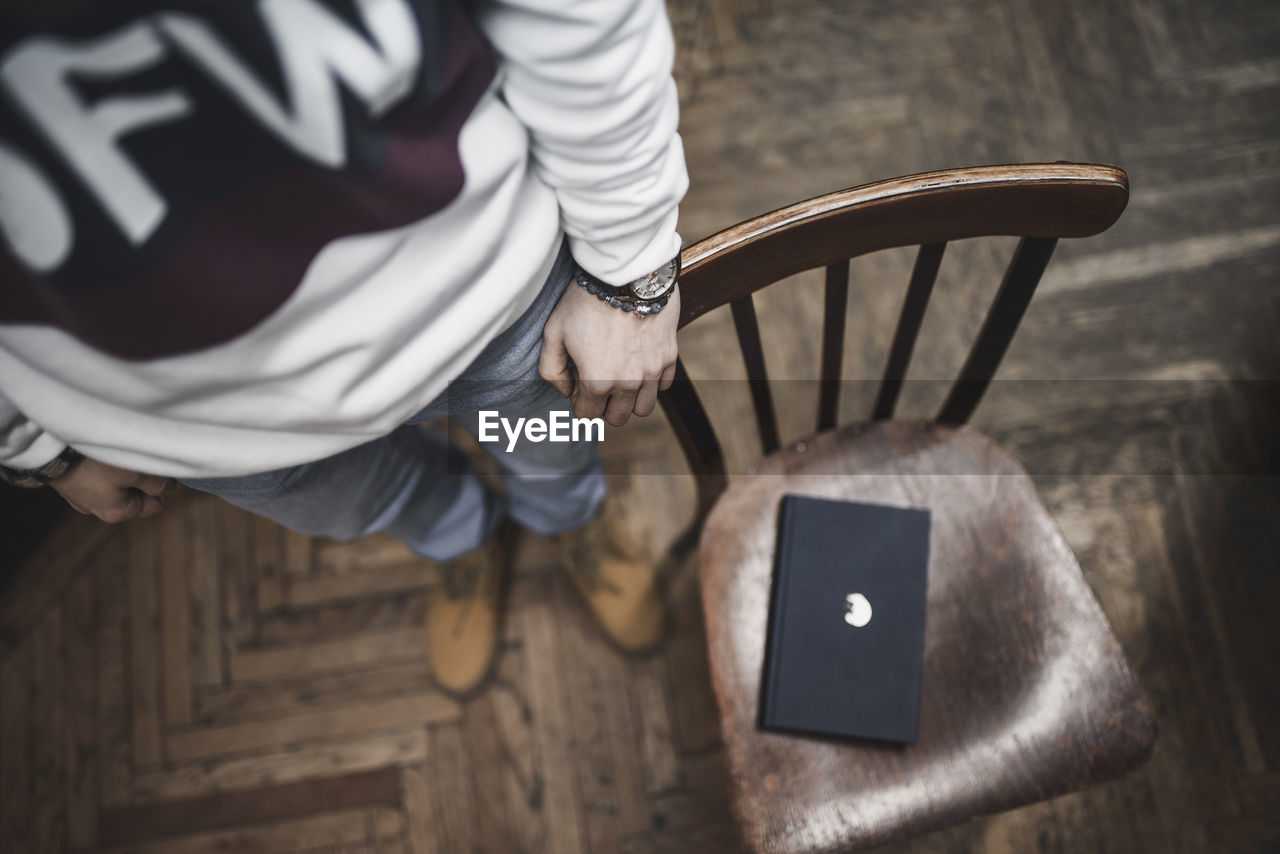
<point x="50" y="471"/>
<point x="602" y="292"/>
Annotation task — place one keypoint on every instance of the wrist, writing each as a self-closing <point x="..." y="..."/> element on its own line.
<point x="46" y="474"/>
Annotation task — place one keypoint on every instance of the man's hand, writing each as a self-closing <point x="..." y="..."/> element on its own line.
<point x="112" y="494"/>
<point x="610" y="362"/>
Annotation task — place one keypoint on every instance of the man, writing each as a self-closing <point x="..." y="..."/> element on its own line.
<point x="249" y="244"/>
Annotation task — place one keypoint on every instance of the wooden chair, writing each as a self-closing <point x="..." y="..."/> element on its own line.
<point x="1026" y="693"/>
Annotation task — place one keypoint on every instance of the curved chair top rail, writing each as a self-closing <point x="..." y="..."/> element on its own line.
<point x="1045" y="200"/>
<point x="1037" y="202"/>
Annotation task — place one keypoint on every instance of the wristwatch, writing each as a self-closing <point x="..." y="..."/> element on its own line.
<point x="643" y="296"/>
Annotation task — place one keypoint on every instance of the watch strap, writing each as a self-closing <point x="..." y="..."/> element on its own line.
<point x="50" y="471"/>
<point x="619" y="297"/>
<point x="625" y="297"/>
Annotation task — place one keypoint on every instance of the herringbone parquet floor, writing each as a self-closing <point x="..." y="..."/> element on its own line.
<point x="206" y="682"/>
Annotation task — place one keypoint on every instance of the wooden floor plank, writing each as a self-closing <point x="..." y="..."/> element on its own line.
<point x="552" y="732"/>
<point x="1205" y="723"/>
<point x="421" y="830"/>
<point x="145" y="646"/>
<point x="350" y="755"/>
<point x="285" y="837"/>
<point x="239" y="597"/>
<point x="523" y="776"/>
<point x="205" y="665"/>
<point x="659" y="759"/>
<point x="203" y="742"/>
<point x="1232" y="574"/>
<point x="411" y="575"/>
<point x="489" y="765"/>
<point x="694" y="717"/>
<point x="135" y="824"/>
<point x="712" y="839"/>
<point x="368" y="649"/>
<point x="256" y="700"/>
<point x="387" y="829"/>
<point x="609" y="777"/>
<point x="379" y="551"/>
<point x="80" y="698"/>
<point x="291" y="627"/>
<point x="176" y="613"/>
<point x="296" y="554"/>
<point x="702" y="799"/>
<point x="113" y="649"/>
<point x="46" y="748"/>
<point x="73" y="541"/>
<point x="15" y="724"/>
<point x="267" y="546"/>
<point x="456" y="810"/>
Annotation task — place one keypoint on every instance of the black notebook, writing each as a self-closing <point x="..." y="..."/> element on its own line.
<point x="846" y="624"/>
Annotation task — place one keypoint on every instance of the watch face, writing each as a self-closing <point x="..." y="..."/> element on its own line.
<point x="656" y="283"/>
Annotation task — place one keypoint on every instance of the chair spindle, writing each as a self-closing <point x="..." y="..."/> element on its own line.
<point x="835" y="306"/>
<point x="689" y="421"/>
<point x="748" y="329"/>
<point x="1019" y="283"/>
<point x="923" y="276"/>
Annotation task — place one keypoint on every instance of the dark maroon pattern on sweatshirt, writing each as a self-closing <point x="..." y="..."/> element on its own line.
<point x="245" y="254"/>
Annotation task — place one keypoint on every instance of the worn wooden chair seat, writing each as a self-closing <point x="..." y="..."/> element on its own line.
<point x="1025" y="693"/>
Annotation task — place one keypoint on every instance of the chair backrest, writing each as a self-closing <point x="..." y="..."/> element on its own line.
<point x="1039" y="202"/>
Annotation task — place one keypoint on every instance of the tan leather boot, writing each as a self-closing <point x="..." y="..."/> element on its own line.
<point x="619" y="585"/>
<point x="464" y="618"/>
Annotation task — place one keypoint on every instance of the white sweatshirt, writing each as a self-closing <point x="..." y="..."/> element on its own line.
<point x="264" y="232"/>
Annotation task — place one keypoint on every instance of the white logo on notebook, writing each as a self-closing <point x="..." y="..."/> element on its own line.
<point x="859" y="610"/>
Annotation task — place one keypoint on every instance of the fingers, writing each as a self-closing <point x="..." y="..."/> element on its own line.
<point x="149" y="505"/>
<point x="553" y="365"/>
<point x="621" y="403"/>
<point x="155" y="485"/>
<point x="590" y="398"/>
<point x="616" y="401"/>
<point x="132" y="504"/>
<point x="668" y="377"/>
<point x="112" y="494"/>
<point x="647" y="398"/>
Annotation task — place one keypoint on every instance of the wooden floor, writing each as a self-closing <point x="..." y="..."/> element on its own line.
<point x="207" y="682"/>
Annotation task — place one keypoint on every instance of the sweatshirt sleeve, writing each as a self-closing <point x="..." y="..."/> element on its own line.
<point x="24" y="444"/>
<point x="591" y="80"/>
